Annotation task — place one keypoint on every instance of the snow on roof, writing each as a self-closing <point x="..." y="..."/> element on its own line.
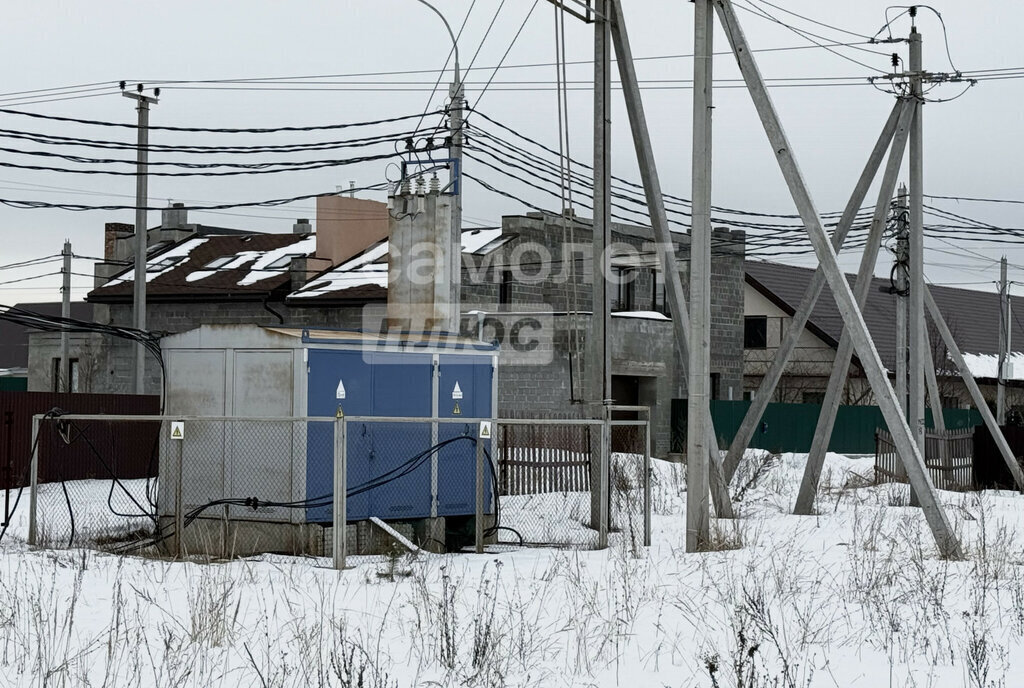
<point x="368" y="268"/>
<point x="987" y="365"/>
<point x="641" y="315"/>
<point x="476" y="239"/>
<point x="163" y="263"/>
<point x="272" y="260"/>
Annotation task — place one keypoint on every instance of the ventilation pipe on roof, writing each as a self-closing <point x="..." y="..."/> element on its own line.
<point x="174" y="216"/>
<point x="302" y="226"/>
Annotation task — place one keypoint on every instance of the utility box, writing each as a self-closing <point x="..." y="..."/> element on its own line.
<point x="258" y="373"/>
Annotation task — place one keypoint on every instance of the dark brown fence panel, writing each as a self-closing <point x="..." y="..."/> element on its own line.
<point x="542" y="458"/>
<point x="130" y="449"/>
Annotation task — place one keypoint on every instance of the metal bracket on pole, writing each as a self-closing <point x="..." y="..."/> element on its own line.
<point x="935" y="515"/>
<point x="844" y="352"/>
<point x="972" y="387"/>
<point x="663" y="236"/>
<point x="787" y="347"/>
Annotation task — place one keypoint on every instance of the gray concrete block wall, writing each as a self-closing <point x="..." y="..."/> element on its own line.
<point x="638" y="346"/>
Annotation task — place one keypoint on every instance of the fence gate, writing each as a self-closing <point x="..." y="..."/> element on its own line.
<point x="949" y="456"/>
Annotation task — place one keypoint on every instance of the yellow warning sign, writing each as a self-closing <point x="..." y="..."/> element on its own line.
<point x="457" y="411"/>
<point x="177" y="430"/>
<point x="485" y="429"/>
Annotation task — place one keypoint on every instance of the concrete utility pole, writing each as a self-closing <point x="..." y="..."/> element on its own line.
<point x="64" y="385"/>
<point x="698" y="379"/>
<point x="945" y="538"/>
<point x="1004" y="341"/>
<point x="141" y="203"/>
<point x="456" y="92"/>
<point x="918" y="338"/>
<point x="902" y="284"/>
<point x="845" y="350"/>
<point x="458" y="97"/>
<point x="599" y="374"/>
<point x="787" y="347"/>
<point x="663" y="244"/>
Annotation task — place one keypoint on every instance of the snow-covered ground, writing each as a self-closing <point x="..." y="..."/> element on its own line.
<point x="853" y="596"/>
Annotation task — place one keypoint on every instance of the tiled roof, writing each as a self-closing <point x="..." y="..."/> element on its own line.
<point x="972" y="316"/>
<point x="239" y="265"/>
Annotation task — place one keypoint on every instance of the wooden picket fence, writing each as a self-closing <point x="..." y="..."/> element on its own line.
<point x="541" y="458"/>
<point x="949" y="456"/>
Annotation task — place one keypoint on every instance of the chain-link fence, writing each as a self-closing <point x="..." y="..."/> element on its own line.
<point x="93" y="480"/>
<point x="236" y="486"/>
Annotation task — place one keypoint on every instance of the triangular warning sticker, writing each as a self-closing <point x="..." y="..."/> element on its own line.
<point x="485" y="430"/>
<point x="176" y="433"/>
<point x="340" y="393"/>
<point x="457" y="392"/>
<point x="457" y="411"/>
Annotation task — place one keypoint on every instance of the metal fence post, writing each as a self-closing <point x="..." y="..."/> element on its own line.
<point x="179" y="507"/>
<point x="340" y="516"/>
<point x="604" y="496"/>
<point x="33" y="478"/>
<point x="647" y="481"/>
<point x="479" y="494"/>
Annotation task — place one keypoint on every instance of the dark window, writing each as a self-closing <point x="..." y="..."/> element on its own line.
<point x="716" y="386"/>
<point x="625" y="279"/>
<point x="505" y="288"/>
<point x="659" y="302"/>
<point x="951" y="402"/>
<point x="755" y="332"/>
<point x="72" y="381"/>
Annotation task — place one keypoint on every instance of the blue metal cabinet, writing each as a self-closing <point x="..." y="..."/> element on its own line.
<point x="389" y="464"/>
<point x="456" y="467"/>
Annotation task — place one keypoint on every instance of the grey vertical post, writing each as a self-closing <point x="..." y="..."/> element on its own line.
<point x="934" y="400"/>
<point x="65" y="312"/>
<point x="605" y="464"/>
<point x="455" y="246"/>
<point x="972" y="387"/>
<point x="663" y="243"/>
<point x="479" y="494"/>
<point x="918" y="339"/>
<point x="647" y="480"/>
<point x="1004" y="341"/>
<point x="789" y="343"/>
<point x="698" y="510"/>
<point x="33" y="482"/>
<point x="844" y="352"/>
<point x="141" y="202"/>
<point x="935" y="515"/>
<point x="901" y="297"/>
<point x="598" y="354"/>
<point x="340" y="501"/>
<point x="179" y="502"/>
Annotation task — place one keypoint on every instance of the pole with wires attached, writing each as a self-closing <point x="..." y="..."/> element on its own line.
<point x="64" y="384"/>
<point x="141" y="202"/>
<point x="1004" y="342"/>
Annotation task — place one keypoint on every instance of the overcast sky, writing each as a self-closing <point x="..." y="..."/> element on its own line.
<point x="974" y="144"/>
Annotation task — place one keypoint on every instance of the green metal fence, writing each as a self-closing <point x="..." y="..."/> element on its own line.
<point x="790" y="427"/>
